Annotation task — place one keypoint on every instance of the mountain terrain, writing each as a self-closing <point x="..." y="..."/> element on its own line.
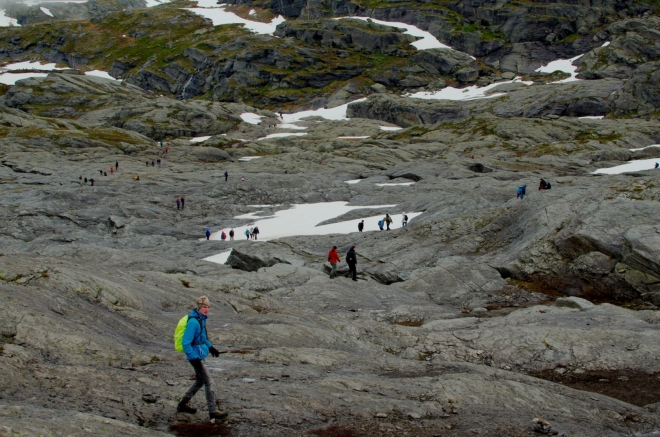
<point x="487" y="315"/>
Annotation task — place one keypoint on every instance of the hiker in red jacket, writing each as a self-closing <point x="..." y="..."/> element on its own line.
<point x="333" y="259"/>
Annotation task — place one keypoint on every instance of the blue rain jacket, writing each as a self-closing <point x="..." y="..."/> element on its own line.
<point x="195" y="343"/>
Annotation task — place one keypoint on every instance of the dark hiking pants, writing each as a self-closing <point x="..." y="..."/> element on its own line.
<point x="202" y="378"/>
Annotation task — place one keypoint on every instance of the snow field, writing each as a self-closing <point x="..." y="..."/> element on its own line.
<point x="427" y="41"/>
<point x="6" y="21"/>
<point x="282" y="135"/>
<point x="199" y="139"/>
<point x="468" y="93"/>
<point x="336" y="113"/>
<point x="9" y="78"/>
<point x="642" y="148"/>
<point x="217" y="13"/>
<point x="302" y="219"/>
<point x="46" y="11"/>
<point x="251" y="118"/>
<point x="637" y="165"/>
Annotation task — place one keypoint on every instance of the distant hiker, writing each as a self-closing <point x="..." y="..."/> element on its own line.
<point x="167" y="149"/>
<point x="333" y="259"/>
<point x="117" y="165"/>
<point x="281" y="116"/>
<point x="153" y="163"/>
<point x="255" y="232"/>
<point x="242" y="178"/>
<point x="247" y="234"/>
<point x="80" y="180"/>
<point x="404" y="221"/>
<point x="656" y="165"/>
<point x="137" y="178"/>
<point x="105" y="173"/>
<point x="111" y="170"/>
<point x="223" y="236"/>
<point x="504" y="159"/>
<point x="231" y="235"/>
<point x="521" y="192"/>
<point x="361" y="226"/>
<point x="381" y="223"/>
<point x="208" y="234"/>
<point x="252" y="233"/>
<point x="196" y="346"/>
<point x="101" y="172"/>
<point x="183" y="202"/>
<point x="226" y="176"/>
<point x="158" y="161"/>
<point x="85" y="181"/>
<point x="388" y="221"/>
<point x="543" y="185"/>
<point x="91" y="181"/>
<point x="178" y="204"/>
<point x="351" y="260"/>
<point x="147" y="163"/>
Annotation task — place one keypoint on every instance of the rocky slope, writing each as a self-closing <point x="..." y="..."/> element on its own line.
<point x="488" y="312"/>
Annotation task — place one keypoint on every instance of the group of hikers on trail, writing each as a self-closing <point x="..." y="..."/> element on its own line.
<point x="83" y="181"/>
<point x="252" y="233"/>
<point x="351" y="260"/>
<point x="181" y="203"/>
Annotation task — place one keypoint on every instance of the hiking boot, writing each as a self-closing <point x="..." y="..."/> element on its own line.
<point x="184" y="407"/>
<point x="217" y="415"/>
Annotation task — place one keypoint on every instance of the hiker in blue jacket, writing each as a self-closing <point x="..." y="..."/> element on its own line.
<point x="197" y="346"/>
<point x="520" y="194"/>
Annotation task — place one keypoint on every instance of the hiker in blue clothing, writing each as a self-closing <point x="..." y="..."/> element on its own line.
<point x="208" y="234"/>
<point x="247" y="233"/>
<point x="197" y="346"/>
<point x="381" y="223"/>
<point x="521" y="192"/>
<point x="657" y="165"/>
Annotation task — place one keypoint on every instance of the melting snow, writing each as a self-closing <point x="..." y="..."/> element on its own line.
<point x="642" y="148"/>
<point x="220" y="258"/>
<point x="252" y="12"/>
<point x="336" y="113"/>
<point x="282" y="135"/>
<point x="6" y="21"/>
<point x="99" y="73"/>
<point x="248" y="158"/>
<point x="565" y="65"/>
<point x="219" y="16"/>
<point x="199" y="139"/>
<point x="354" y="181"/>
<point x="469" y="93"/>
<point x="395" y="184"/>
<point x="302" y="219"/>
<point x="605" y="44"/>
<point x="27" y="65"/>
<point x="46" y="11"/>
<point x="354" y="138"/>
<point x="251" y="118"/>
<point x="390" y="127"/>
<point x="638" y="165"/>
<point x="427" y="40"/>
<point x="592" y="117"/>
<point x="12" y="78"/>
<point x="152" y="3"/>
<point x="290" y="126"/>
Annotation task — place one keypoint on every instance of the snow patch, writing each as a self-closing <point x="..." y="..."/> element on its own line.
<point x="336" y="113"/>
<point x="282" y="135"/>
<point x="47" y="11"/>
<point x="354" y="138"/>
<point x="199" y="139"/>
<point x="290" y="126"/>
<point x="27" y="65"/>
<point x="565" y="65"/>
<point x="638" y="165"/>
<point x="468" y="93"/>
<point x="390" y="127"/>
<point x="103" y="74"/>
<point x="605" y="44"/>
<point x="220" y="16"/>
<point x="248" y="158"/>
<point x="220" y="258"/>
<point x="6" y="21"/>
<point x="152" y="3"/>
<point x="354" y="181"/>
<point x="302" y="219"/>
<point x="251" y="118"/>
<point x="592" y="117"/>
<point x="427" y="41"/>
<point x="252" y="12"/>
<point x="395" y="184"/>
<point x="642" y="148"/>
<point x="12" y="78"/>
